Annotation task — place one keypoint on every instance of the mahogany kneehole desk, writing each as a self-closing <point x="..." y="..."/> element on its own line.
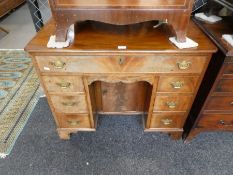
<point x="92" y="76"/>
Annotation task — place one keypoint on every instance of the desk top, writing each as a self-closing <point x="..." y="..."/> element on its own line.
<point x="99" y="38"/>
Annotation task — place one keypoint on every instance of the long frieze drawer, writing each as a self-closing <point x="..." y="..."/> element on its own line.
<point x="181" y="84"/>
<point x="220" y="121"/>
<point x="69" y="104"/>
<point x="57" y="84"/>
<point x="224" y="85"/>
<point x="127" y="64"/>
<point x="167" y="120"/>
<point x="172" y="102"/>
<point x="220" y="103"/>
<point x="74" y="120"/>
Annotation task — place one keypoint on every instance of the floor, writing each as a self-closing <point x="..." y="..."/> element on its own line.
<point x="118" y="147"/>
<point x="21" y="29"/>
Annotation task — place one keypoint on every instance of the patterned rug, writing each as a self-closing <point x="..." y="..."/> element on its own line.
<point x="19" y="93"/>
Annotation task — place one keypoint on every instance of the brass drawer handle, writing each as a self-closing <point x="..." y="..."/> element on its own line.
<point x="222" y="122"/>
<point x="231" y="103"/>
<point x="70" y="103"/>
<point x="166" y="121"/>
<point x="58" y="64"/>
<point x="121" y="60"/>
<point x="177" y="84"/>
<point x="171" y="104"/>
<point x="73" y="122"/>
<point x="184" y="64"/>
<point x="64" y="85"/>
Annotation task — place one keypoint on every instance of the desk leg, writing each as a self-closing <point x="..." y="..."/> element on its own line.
<point x="180" y="26"/>
<point x="64" y="134"/>
<point x="61" y="32"/>
<point x="176" y="135"/>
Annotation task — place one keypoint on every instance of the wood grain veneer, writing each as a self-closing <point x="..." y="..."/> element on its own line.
<point x="106" y="80"/>
<point x="212" y="109"/>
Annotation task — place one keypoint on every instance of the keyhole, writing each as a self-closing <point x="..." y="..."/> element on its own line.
<point x="121" y="60"/>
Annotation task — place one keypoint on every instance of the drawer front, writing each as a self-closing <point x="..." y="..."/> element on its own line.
<point x="216" y="121"/>
<point x="127" y="64"/>
<point x="69" y="104"/>
<point x="177" y="84"/>
<point x="228" y="68"/>
<point x="224" y="85"/>
<point x="61" y="84"/>
<point x="172" y="103"/>
<point x="74" y="121"/>
<point x="220" y="103"/>
<point x="167" y="120"/>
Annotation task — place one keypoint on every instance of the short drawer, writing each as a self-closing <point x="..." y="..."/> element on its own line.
<point x="177" y="84"/>
<point x="172" y="102"/>
<point x="216" y="121"/>
<point x="61" y="84"/>
<point x="220" y="103"/>
<point x="69" y="104"/>
<point x="224" y="85"/>
<point x="74" y="120"/>
<point x="228" y="68"/>
<point x="167" y="120"/>
<point x="127" y="64"/>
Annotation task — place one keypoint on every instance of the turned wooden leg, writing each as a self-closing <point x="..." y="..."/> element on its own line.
<point x="64" y="135"/>
<point x="176" y="135"/>
<point x="180" y="28"/>
<point x="61" y="32"/>
<point x="180" y="36"/>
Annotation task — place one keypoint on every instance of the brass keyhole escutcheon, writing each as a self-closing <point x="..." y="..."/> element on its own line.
<point x="104" y="91"/>
<point x="184" y="64"/>
<point x="121" y="60"/>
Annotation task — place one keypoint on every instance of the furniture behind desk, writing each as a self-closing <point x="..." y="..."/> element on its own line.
<point x="213" y="106"/>
<point x="95" y="76"/>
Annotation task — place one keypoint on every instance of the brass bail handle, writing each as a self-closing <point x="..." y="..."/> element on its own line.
<point x="222" y="122"/>
<point x="73" y="123"/>
<point x="69" y="103"/>
<point x="171" y="104"/>
<point x="58" y="64"/>
<point x="64" y="85"/>
<point x="166" y="121"/>
<point x="177" y="84"/>
<point x="184" y="64"/>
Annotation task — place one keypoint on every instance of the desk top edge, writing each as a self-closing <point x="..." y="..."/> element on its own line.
<point x="120" y="36"/>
